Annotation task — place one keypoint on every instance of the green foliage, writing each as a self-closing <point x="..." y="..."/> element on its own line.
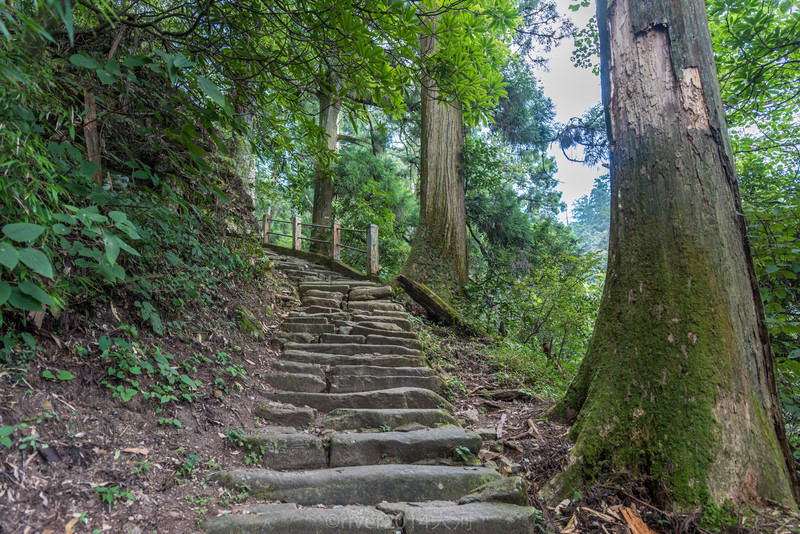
<point x="591" y="216"/>
<point x="112" y="495"/>
<point x="374" y="189"/>
<point x="129" y="366"/>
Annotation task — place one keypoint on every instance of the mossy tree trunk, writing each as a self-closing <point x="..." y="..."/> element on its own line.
<point x="438" y="256"/>
<point x="330" y="104"/>
<point x="677" y="389"/>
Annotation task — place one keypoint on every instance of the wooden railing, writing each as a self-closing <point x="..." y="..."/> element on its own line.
<point x="334" y="242"/>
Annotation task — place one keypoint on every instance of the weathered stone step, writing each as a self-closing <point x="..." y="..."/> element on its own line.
<point x="374" y="339"/>
<point x="296" y="337"/>
<point x="284" y="366"/>
<point x="337" y="315"/>
<point x="288" y="519"/>
<point x="341" y="338"/>
<point x="305" y="319"/>
<point x="390" y="313"/>
<point x="285" y="451"/>
<point x="342" y="286"/>
<point x="358" y="418"/>
<point x="472" y="518"/>
<point x="352" y="348"/>
<point x="351" y="384"/>
<point x="385" y="398"/>
<point x="278" y="413"/>
<point x="393" y="331"/>
<point x="374" y="370"/>
<point x="318" y="310"/>
<point x="362" y="293"/>
<point x="321" y="302"/>
<point x="372" y="448"/>
<point x="373" y="305"/>
<point x="338" y="296"/>
<point x="361" y="484"/>
<point x="308" y="383"/>
<point x="323" y="328"/>
<point x="381" y="360"/>
<point x="380" y="322"/>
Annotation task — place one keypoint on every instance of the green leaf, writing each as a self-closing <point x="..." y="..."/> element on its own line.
<point x="211" y="89"/>
<point x="8" y="256"/>
<point x="5" y="291"/>
<point x="82" y="60"/>
<point x="112" y="248"/>
<point x="29" y="288"/>
<point x="49" y="375"/>
<point x="23" y="232"/>
<point x="20" y="300"/>
<point x="106" y="77"/>
<point x="37" y="261"/>
<point x="61" y="229"/>
<point x="65" y="375"/>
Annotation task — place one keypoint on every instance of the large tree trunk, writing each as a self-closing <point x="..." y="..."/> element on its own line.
<point x="677" y="389"/>
<point x="438" y="256"/>
<point x="329" y="106"/>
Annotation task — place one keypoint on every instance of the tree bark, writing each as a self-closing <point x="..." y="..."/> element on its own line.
<point x="677" y="389"/>
<point x="329" y="106"/>
<point x="438" y="256"/>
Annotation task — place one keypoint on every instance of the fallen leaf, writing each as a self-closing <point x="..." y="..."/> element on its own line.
<point x="635" y="522"/>
<point x="69" y="528"/>
<point x="137" y="451"/>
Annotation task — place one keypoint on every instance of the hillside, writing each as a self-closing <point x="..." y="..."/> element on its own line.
<point x="116" y="429"/>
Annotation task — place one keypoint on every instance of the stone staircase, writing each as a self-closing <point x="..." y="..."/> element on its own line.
<point x="357" y="439"/>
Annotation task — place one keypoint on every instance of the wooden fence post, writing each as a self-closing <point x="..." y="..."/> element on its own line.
<point x="336" y="240"/>
<point x="296" y="233"/>
<point x="372" y="249"/>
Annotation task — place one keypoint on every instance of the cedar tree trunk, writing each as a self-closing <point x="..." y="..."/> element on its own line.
<point x="677" y="390"/>
<point x="438" y="256"/>
<point x="329" y="105"/>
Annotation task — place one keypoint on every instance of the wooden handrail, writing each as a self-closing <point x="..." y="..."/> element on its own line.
<point x="335" y="241"/>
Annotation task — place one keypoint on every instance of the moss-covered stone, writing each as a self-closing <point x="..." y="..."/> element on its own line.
<point x="249" y="325"/>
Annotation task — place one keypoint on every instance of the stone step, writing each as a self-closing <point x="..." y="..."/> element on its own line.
<point x="385" y="518"/>
<point x="323" y="328"/>
<point x="318" y="310"/>
<point x="352" y="348"/>
<point x="393" y="331"/>
<point x="358" y="418"/>
<point x="338" y="296"/>
<point x="380" y="360"/>
<point x="362" y="293"/>
<point x="337" y="315"/>
<point x="361" y="484"/>
<point x="284" y="366"/>
<point x="373" y="305"/>
<point x="341" y="338"/>
<point x="472" y="518"/>
<point x="380" y="322"/>
<point x="321" y="302"/>
<point x="288" y="519"/>
<point x="391" y="313"/>
<point x="296" y="337"/>
<point x="373" y="370"/>
<point x="302" y="319"/>
<point x="352" y="384"/>
<point x="284" y="451"/>
<point x="308" y="383"/>
<point x="373" y="339"/>
<point x="277" y="413"/>
<point x="386" y="398"/>
<point x="373" y="448"/>
<point x="342" y="286"/>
